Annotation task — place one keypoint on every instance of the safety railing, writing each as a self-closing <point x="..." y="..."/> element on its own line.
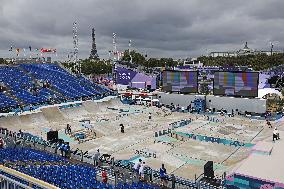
<point x="118" y="171"/>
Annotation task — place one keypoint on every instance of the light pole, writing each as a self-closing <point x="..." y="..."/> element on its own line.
<point x="272" y="43"/>
<point x="129" y="44"/>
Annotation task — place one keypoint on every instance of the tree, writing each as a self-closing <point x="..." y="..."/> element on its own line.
<point x="91" y="67"/>
<point x="3" y="61"/>
<point x="136" y="57"/>
<point x="257" y="62"/>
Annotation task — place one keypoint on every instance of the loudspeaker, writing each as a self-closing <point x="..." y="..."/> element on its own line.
<point x="52" y="136"/>
<point x="208" y="169"/>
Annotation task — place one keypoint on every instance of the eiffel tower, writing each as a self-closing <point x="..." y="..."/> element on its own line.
<point x="94" y="53"/>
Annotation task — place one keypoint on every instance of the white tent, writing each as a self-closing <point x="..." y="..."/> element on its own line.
<point x="265" y="91"/>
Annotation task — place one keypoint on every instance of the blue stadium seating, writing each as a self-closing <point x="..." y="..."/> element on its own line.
<point x="64" y="82"/>
<point x="22" y="82"/>
<point x="27" y="154"/>
<point x="58" y="171"/>
<point x="6" y="102"/>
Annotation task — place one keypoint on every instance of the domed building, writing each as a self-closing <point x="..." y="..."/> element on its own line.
<point x="246" y="51"/>
<point x="242" y="52"/>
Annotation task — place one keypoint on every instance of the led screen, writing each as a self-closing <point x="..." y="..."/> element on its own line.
<point x="180" y="81"/>
<point x="242" y="84"/>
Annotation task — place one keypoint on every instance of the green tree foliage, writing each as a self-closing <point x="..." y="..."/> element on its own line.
<point x="136" y="57"/>
<point x="257" y="62"/>
<point x="139" y="59"/>
<point x="89" y="67"/>
<point x="3" y="61"/>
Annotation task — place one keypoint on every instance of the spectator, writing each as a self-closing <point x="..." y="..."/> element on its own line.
<point x="21" y="133"/>
<point x="2" y="143"/>
<point x="177" y="108"/>
<point x="66" y="149"/>
<point x="61" y="148"/>
<point x="96" y="158"/>
<point x="150" y="116"/>
<point x="104" y="176"/>
<point x="163" y="175"/>
<point x="141" y="171"/>
<point x="136" y="167"/>
<point x="31" y="107"/>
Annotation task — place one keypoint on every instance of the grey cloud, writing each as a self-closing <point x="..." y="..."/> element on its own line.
<point x="167" y="28"/>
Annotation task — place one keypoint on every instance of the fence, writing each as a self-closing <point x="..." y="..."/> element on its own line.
<point x="118" y="171"/>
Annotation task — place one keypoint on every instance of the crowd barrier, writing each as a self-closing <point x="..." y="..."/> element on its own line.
<point x="173" y="126"/>
<point x="117" y="170"/>
<point x="242" y="181"/>
<point x="214" y="140"/>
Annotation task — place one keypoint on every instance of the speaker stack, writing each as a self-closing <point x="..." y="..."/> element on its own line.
<point x="52" y="136"/>
<point x="208" y="170"/>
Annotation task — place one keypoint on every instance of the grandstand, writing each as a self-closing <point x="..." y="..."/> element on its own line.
<point x="40" y="84"/>
<point x="49" y="97"/>
<point x="55" y="169"/>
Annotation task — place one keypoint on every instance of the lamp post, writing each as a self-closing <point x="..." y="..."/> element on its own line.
<point x="272" y="43"/>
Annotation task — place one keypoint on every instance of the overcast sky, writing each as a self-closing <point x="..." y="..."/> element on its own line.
<point x="160" y="28"/>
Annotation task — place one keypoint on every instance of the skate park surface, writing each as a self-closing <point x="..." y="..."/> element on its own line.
<point x="182" y="155"/>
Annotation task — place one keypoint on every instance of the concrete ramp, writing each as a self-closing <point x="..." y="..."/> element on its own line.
<point x="53" y="114"/>
<point x="15" y="123"/>
<point x="75" y="113"/>
<point x="115" y="102"/>
<point x="10" y="122"/>
<point x="91" y="107"/>
<point x="38" y="119"/>
<point x="25" y="120"/>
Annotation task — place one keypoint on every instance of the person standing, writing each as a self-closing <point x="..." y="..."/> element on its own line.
<point x="96" y="158"/>
<point x="121" y="128"/>
<point x="69" y="130"/>
<point x="2" y="143"/>
<point x="141" y="171"/>
<point x="150" y="116"/>
<point x="163" y="175"/>
<point x="275" y="134"/>
<point x="104" y="176"/>
<point x="136" y="167"/>
<point x="269" y="124"/>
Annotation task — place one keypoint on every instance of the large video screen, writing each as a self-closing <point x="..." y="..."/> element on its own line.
<point x="242" y="84"/>
<point x="180" y="81"/>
